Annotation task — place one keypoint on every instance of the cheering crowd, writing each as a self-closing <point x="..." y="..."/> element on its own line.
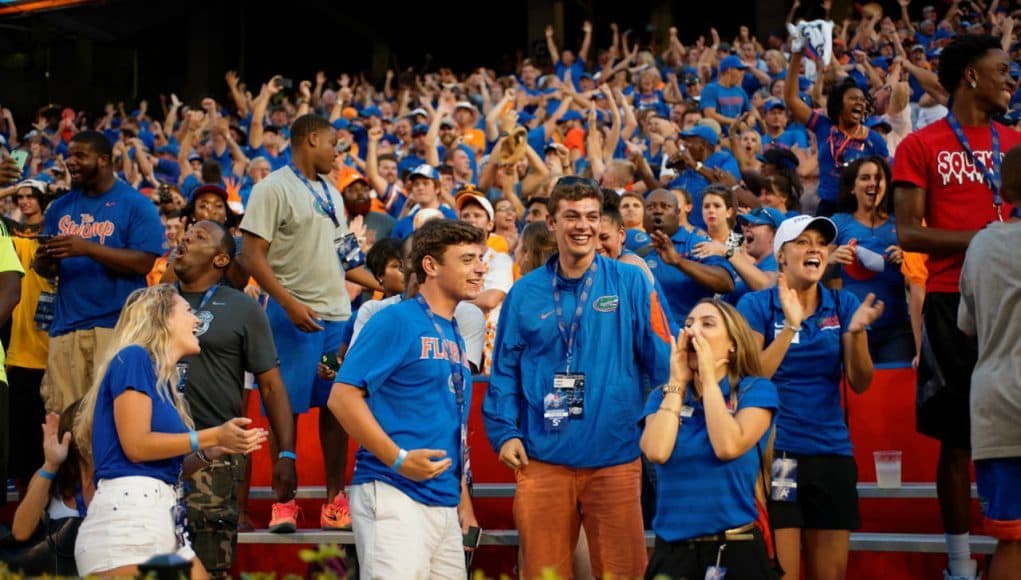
<point x="666" y="257"/>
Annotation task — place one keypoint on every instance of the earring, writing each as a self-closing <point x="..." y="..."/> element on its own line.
<point x="732" y="349"/>
<point x="973" y="84"/>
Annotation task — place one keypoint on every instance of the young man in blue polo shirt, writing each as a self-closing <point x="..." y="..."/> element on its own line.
<point x="565" y="394"/>
<point x="424" y="189"/>
<point x="404" y="393"/>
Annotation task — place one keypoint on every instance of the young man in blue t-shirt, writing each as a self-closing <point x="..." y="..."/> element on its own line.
<point x="404" y="393"/>
<point x="723" y="100"/>
<point x="105" y="237"/>
<point x="574" y="340"/>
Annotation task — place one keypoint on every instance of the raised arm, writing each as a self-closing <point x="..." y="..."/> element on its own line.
<point x="800" y="112"/>
<point x="551" y="45"/>
<point x="586" y="41"/>
<point x="235" y="93"/>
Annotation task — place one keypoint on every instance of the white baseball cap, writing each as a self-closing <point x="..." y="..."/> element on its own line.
<point x="793" y="227"/>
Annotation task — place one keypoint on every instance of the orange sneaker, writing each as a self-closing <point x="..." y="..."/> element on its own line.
<point x="336" y="515"/>
<point x="285" y="517"/>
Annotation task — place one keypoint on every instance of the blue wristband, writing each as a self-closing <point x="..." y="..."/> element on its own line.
<point x="46" y="474"/>
<point x="401" y="456"/>
<point x="194" y="437"/>
<point x="287" y="455"/>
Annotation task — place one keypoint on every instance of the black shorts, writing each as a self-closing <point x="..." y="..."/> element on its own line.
<point x="942" y="410"/>
<point x="684" y="559"/>
<point x="827" y="495"/>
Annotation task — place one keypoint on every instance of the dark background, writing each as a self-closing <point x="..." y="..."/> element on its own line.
<point x="125" y="50"/>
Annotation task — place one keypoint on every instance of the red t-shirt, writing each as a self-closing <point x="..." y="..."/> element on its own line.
<point x="956" y="194"/>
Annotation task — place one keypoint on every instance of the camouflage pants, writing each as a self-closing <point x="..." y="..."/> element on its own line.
<point x="213" y="512"/>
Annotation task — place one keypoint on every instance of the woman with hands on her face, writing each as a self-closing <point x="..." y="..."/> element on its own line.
<point x="869" y="258"/>
<point x="811" y="337"/>
<point x="707" y="431"/>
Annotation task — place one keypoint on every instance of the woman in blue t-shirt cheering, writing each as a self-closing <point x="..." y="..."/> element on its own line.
<point x="841" y="133"/>
<point x="134" y="425"/>
<point x="870" y="259"/>
<point x="811" y="337"/>
<point x="707" y="432"/>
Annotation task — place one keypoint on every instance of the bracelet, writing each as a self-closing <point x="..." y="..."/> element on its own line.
<point x="287" y="455"/>
<point x="669" y="389"/>
<point x="201" y="454"/>
<point x="792" y="328"/>
<point x="48" y="475"/>
<point x="193" y="436"/>
<point x="401" y="456"/>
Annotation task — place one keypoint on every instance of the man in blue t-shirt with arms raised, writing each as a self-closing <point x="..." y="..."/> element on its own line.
<point x="404" y="393"/>
<point x="103" y="239"/>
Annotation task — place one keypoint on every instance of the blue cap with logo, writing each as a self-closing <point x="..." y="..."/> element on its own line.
<point x="762" y="216"/>
<point x="423" y="170"/>
<point x="730" y="62"/>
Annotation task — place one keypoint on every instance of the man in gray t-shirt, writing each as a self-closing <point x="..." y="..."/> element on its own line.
<point x="294" y="227"/>
<point x="990" y="300"/>
<point x="235" y="337"/>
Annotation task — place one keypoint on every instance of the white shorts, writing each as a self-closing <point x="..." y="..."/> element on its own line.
<point x="397" y="537"/>
<point x="129" y="521"/>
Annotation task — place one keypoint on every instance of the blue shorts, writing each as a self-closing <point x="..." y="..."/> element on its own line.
<point x="998" y="483"/>
<point x="300" y="353"/>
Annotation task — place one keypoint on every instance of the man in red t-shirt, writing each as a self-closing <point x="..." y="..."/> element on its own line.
<point x="948" y="175"/>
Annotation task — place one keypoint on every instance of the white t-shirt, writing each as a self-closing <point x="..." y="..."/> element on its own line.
<point x="302" y="240"/>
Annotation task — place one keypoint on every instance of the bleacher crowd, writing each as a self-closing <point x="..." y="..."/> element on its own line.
<point x="666" y="255"/>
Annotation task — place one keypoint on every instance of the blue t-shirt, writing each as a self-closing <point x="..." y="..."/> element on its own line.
<point x="529" y="350"/>
<point x="682" y="291"/>
<point x="576" y="69"/>
<point x="275" y="161"/>
<point x="887" y="285"/>
<point x="768" y="264"/>
<point x="725" y="490"/>
<point x="810" y="420"/>
<point x="133" y="368"/>
<point x="406" y="224"/>
<point x="836" y="149"/>
<point x="728" y="101"/>
<point x="91" y="294"/>
<point x="409" y="162"/>
<point x="791" y="137"/>
<point x="693" y="182"/>
<point x="410" y="393"/>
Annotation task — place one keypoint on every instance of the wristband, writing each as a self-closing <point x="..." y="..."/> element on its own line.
<point x="794" y="329"/>
<point x="193" y="436"/>
<point x="287" y="455"/>
<point x="401" y="456"/>
<point x="48" y="475"/>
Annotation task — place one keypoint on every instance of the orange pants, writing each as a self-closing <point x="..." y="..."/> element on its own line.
<point x="553" y="501"/>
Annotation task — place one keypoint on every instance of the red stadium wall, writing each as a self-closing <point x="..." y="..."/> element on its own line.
<point x="882" y="418"/>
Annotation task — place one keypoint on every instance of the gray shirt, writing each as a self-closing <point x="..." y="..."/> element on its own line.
<point x="235" y="337"/>
<point x="302" y="238"/>
<point x="990" y="301"/>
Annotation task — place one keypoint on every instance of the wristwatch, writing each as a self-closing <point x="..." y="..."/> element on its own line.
<point x="698" y="166"/>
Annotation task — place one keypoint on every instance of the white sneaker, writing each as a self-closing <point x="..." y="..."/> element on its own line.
<point x="971" y="575"/>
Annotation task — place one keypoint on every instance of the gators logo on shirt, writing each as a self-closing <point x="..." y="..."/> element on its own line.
<point x="606" y="303"/>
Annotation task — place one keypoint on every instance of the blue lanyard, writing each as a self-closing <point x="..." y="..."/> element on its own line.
<point x="205" y="297"/>
<point x="456" y="373"/>
<point x="569" y="332"/>
<point x="324" y="204"/>
<point x="992" y="177"/>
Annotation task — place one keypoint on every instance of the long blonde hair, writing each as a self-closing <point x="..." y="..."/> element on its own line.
<point x="143" y="322"/>
<point x="747" y="362"/>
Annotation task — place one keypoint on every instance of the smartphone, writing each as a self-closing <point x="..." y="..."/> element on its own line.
<point x="285" y="83"/>
<point x="472" y="538"/>
<point x="331" y="362"/>
<point x="20" y="156"/>
<point x="43" y="238"/>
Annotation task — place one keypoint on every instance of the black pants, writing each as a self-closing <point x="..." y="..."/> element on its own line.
<point x="26" y="415"/>
<point x="687" y="560"/>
